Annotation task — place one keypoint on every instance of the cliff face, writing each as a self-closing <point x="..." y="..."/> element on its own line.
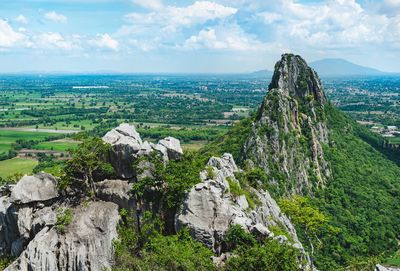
<point x="290" y="128"/>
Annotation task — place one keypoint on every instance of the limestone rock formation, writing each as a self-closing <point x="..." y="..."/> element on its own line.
<point x="116" y="191"/>
<point x="28" y="215"/>
<point x="386" y="268"/>
<point x="210" y="209"/>
<point x="87" y="244"/>
<point x="290" y="128"/>
<point x="39" y="187"/>
<point x="127" y="146"/>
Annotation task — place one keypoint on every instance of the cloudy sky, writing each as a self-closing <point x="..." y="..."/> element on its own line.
<point x="194" y="36"/>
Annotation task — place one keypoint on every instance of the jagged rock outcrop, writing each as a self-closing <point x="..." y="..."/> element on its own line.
<point x="86" y="245"/>
<point x="386" y="268"/>
<point x="39" y="187"/>
<point x="210" y="208"/>
<point x="127" y="147"/>
<point x="290" y="128"/>
<point x="28" y="215"/>
<point x="117" y="191"/>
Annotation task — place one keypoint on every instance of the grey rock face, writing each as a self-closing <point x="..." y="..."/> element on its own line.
<point x="286" y="138"/>
<point x="87" y="244"/>
<point x="210" y="209"/>
<point x="21" y="215"/>
<point x="126" y="143"/>
<point x="116" y="191"/>
<point x="386" y="268"/>
<point x="173" y="146"/>
<point x="127" y="147"/>
<point x="39" y="187"/>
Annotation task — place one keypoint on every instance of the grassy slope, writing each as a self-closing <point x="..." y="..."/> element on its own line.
<point x="16" y="165"/>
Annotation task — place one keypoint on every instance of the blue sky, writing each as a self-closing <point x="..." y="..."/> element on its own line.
<point x="191" y="36"/>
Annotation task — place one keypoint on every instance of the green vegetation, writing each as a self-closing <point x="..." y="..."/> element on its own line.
<point x="5" y="262"/>
<point x="232" y="141"/>
<point x="394" y="260"/>
<point x="259" y="255"/>
<point x="56" y="146"/>
<point x="311" y="222"/>
<point x="145" y="248"/>
<point x="362" y="200"/>
<point x="168" y="185"/>
<point x="64" y="218"/>
<point x="17" y="165"/>
<point x="87" y="165"/>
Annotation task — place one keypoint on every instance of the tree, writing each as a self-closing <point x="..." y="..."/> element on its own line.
<point x="88" y="164"/>
<point x="304" y="215"/>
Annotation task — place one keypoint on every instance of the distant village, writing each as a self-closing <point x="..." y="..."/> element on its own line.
<point x="386" y="131"/>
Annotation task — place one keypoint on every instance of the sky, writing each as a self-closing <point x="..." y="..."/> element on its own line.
<point x="194" y="36"/>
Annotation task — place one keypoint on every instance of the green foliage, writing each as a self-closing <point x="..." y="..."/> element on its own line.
<point x="270" y="255"/>
<point x="236" y="236"/>
<point x="87" y="165"/>
<point x="144" y="248"/>
<point x="280" y="230"/>
<point x="210" y="172"/>
<point x="394" y="260"/>
<point x="302" y="213"/>
<point x="64" y="218"/>
<point x="232" y="141"/>
<point x="175" y="252"/>
<point x="363" y="199"/>
<point x="234" y="187"/>
<point x="169" y="183"/>
<point x="5" y="262"/>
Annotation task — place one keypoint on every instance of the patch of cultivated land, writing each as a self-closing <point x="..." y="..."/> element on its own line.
<point x="16" y="165"/>
<point x="7" y="137"/>
<point x="59" y="146"/>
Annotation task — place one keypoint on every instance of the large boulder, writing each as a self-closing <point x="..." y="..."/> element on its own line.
<point x="39" y="187"/>
<point x="127" y="147"/>
<point x="86" y="245"/>
<point x="173" y="146"/>
<point x="126" y="144"/>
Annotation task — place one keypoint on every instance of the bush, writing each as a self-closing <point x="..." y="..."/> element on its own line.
<point x="271" y="256"/>
<point x="64" y="218"/>
<point x="236" y="236"/>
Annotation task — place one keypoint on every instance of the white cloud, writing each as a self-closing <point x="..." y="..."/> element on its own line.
<point x="8" y="37"/>
<point x="21" y="19"/>
<point x="104" y="41"/>
<point x="327" y="25"/>
<point x="171" y="17"/>
<point x="51" y="41"/>
<point x="269" y="17"/>
<point x="224" y="38"/>
<point x="55" y="17"/>
<point x="149" y="4"/>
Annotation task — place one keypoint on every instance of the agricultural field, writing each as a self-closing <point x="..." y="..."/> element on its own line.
<point x="9" y="137"/>
<point x="16" y="165"/>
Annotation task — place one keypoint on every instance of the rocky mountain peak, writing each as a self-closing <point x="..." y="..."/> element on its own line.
<point x="289" y="130"/>
<point x="295" y="78"/>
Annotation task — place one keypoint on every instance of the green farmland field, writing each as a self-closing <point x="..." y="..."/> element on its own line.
<point x="7" y="137"/>
<point x="16" y="165"/>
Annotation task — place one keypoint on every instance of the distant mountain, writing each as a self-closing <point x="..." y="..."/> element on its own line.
<point x="341" y="67"/>
<point x="262" y="73"/>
